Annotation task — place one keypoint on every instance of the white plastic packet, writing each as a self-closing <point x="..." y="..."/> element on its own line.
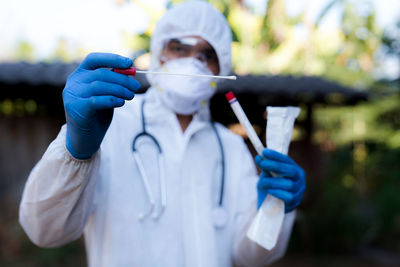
<point x="266" y="226"/>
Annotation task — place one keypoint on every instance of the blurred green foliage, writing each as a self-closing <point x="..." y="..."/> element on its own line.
<point x="359" y="196"/>
<point x="18" y="107"/>
<point x="24" y="51"/>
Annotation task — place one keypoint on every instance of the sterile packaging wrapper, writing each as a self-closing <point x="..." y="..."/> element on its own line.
<point x="266" y="226"/>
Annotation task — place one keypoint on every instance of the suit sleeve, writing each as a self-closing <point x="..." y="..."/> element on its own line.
<point x="58" y="195"/>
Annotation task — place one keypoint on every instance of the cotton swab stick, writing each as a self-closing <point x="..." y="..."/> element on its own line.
<point x="133" y="71"/>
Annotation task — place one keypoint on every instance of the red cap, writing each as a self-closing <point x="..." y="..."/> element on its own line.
<point x="230" y="96"/>
<point x="130" y="71"/>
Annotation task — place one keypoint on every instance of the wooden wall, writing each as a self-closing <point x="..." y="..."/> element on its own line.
<point x="23" y="140"/>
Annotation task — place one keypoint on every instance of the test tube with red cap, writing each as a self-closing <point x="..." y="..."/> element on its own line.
<point x="244" y="121"/>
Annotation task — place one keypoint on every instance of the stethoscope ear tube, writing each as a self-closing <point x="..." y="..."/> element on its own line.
<point x="221" y="148"/>
<point x="151" y="211"/>
<point x="163" y="186"/>
<point x="145" y="181"/>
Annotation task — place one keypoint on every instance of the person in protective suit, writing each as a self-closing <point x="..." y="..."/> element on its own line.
<point x="153" y="181"/>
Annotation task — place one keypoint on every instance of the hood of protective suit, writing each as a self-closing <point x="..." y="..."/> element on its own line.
<point x="194" y="18"/>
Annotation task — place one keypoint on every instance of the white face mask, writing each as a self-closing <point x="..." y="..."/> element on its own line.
<point x="185" y="95"/>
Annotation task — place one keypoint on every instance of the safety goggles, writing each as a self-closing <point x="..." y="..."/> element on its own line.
<point x="190" y="47"/>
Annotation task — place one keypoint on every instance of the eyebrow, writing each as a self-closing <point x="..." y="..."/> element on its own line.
<point x="209" y="49"/>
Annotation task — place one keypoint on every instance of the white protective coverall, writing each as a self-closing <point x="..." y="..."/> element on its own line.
<point x="102" y="197"/>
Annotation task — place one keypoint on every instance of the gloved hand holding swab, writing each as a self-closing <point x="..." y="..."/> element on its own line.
<point x="132" y="72"/>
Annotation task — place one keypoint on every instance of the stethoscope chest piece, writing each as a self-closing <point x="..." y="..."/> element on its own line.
<point x="220" y="217"/>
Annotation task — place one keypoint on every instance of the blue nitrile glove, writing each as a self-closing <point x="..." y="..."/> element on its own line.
<point x="289" y="184"/>
<point x="90" y="96"/>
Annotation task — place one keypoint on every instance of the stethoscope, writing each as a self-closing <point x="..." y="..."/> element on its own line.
<point x="220" y="215"/>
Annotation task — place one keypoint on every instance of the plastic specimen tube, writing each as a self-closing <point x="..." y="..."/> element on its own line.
<point x="244" y="121"/>
<point x="133" y="71"/>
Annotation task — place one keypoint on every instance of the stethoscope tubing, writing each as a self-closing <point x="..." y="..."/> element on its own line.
<point x="161" y="174"/>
